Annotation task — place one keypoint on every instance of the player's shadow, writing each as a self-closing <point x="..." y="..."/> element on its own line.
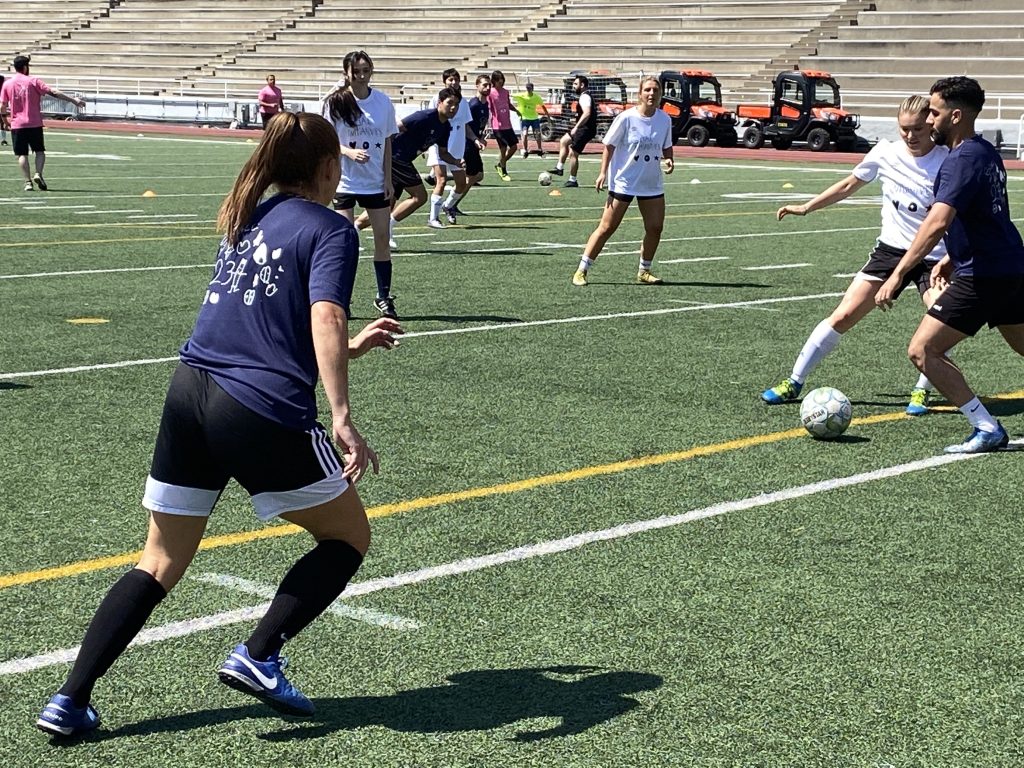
<point x="580" y="697"/>
<point x="14" y="385"/>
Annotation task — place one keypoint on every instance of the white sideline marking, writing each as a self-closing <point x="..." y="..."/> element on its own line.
<point x="367" y="615"/>
<point x="45" y="207"/>
<point x="105" y="271"/>
<point x="164" y="216"/>
<point x="518" y="554"/>
<point x="688" y="261"/>
<point x="474" y="329"/>
<point x="466" y="242"/>
<point x="777" y="266"/>
<point x="104" y="213"/>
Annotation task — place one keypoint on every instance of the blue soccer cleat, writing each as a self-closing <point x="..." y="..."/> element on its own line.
<point x="263" y="679"/>
<point x="786" y="391"/>
<point x="60" y="717"/>
<point x="982" y="442"/>
<point x="918" y="405"/>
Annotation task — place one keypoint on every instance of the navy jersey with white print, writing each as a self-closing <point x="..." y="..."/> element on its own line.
<point x="422" y="129"/>
<point x="981" y="240"/>
<point x="253" y="333"/>
<point x="480" y="114"/>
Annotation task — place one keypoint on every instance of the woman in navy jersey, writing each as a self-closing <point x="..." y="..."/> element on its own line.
<point x="242" y="405"/>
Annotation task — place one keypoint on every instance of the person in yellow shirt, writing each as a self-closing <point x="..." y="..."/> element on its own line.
<point x="528" y="105"/>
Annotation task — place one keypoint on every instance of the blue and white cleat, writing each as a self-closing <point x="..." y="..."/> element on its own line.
<point x="263" y="679"/>
<point x="60" y="717"/>
<point x="785" y="391"/>
<point x="982" y="442"/>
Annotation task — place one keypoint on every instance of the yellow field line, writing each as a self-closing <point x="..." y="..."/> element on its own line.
<point x="384" y="510"/>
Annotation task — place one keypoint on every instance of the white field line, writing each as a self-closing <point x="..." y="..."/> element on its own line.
<point x="518" y="554"/>
<point x="105" y="213"/>
<point x="267" y="591"/>
<point x="164" y="216"/>
<point x="737" y="236"/>
<point x="777" y="266"/>
<point x="474" y="329"/>
<point x="45" y="207"/>
<point x="467" y="242"/>
<point x="696" y="259"/>
<point x="106" y="271"/>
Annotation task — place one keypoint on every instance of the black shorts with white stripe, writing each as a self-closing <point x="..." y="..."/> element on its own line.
<point x="207" y="437"/>
<point x="882" y="263"/>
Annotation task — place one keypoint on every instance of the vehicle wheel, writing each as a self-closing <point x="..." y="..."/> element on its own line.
<point x="780" y="143"/>
<point x="727" y="139"/>
<point x="818" y="139"/>
<point x="698" y="136"/>
<point x="547" y="129"/>
<point x="753" y="137"/>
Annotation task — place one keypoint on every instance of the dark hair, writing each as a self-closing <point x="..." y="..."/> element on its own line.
<point x="21" y="63"/>
<point x="481" y="78"/>
<point x="497" y="75"/>
<point x="446" y="93"/>
<point x="341" y="103"/>
<point x="289" y="154"/>
<point x="450" y="73"/>
<point x="960" y="92"/>
<point x="583" y="80"/>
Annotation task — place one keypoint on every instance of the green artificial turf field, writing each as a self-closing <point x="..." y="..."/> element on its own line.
<point x="593" y="544"/>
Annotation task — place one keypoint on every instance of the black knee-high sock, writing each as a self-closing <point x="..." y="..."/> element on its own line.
<point x="117" y="621"/>
<point x="383" y="270"/>
<point x="312" y="584"/>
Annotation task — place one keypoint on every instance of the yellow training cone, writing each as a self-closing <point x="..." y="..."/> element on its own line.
<point x="554" y="193"/>
<point x="149" y="193"/>
<point x="787" y="185"/>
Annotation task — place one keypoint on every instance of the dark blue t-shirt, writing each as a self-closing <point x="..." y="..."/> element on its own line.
<point x="422" y="129"/>
<point x="480" y="114"/>
<point x="981" y="240"/>
<point x="253" y="333"/>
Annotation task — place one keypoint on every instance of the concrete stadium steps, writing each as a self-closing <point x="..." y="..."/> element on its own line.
<point x="931" y="32"/>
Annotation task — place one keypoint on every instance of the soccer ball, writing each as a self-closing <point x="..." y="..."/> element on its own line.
<point x="826" y="413"/>
<point x="544" y="179"/>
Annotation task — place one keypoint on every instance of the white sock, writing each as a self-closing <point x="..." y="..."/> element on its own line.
<point x="923" y="383"/>
<point x="572" y="178"/>
<point x="586" y="263"/>
<point x="979" y="416"/>
<point x="435" y="206"/>
<point x="453" y="198"/>
<point x="823" y="339"/>
<point x="559" y="165"/>
<point x="645" y="265"/>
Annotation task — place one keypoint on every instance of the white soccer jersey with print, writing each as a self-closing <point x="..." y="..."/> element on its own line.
<point x="639" y="142"/>
<point x="456" y="139"/>
<point x="370" y="133"/>
<point x="908" y="185"/>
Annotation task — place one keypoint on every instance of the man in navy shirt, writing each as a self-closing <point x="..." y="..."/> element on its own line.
<point x="415" y="134"/>
<point x="984" y="269"/>
<point x="480" y="115"/>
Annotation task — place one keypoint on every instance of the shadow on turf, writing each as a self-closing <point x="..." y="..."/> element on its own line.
<point x="998" y="408"/>
<point x="686" y="283"/>
<point x="478" y="700"/>
<point x="14" y="385"/>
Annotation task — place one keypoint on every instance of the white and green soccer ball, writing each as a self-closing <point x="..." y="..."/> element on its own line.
<point x="826" y="413"/>
<point x="544" y="179"/>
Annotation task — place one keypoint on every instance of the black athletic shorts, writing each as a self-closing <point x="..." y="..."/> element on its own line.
<point x="343" y="201"/>
<point x="25" y="139"/>
<point x="970" y="302"/>
<point x="404" y="176"/>
<point x="506" y="137"/>
<point x="207" y="437"/>
<point x="580" y="140"/>
<point x="474" y="163"/>
<point x="882" y="262"/>
<point x="623" y="198"/>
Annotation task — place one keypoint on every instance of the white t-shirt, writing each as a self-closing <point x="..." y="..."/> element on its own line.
<point x="908" y="185"/>
<point x="370" y="133"/>
<point x="457" y="138"/>
<point x="639" y="142"/>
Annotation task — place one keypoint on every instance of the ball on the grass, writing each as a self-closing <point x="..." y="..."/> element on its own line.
<point x="826" y="413"/>
<point x="544" y="179"/>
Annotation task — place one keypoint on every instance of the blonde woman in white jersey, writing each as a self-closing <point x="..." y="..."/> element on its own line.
<point x="636" y="143"/>
<point x="907" y="171"/>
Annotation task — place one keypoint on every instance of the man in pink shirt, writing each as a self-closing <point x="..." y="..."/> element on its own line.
<point x="270" y="100"/>
<point x="20" y="97"/>
<point x="500" y="104"/>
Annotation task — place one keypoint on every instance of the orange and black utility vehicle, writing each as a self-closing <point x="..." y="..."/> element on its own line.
<point x="693" y="99"/>
<point x="607" y="91"/>
<point x="805" y="107"/>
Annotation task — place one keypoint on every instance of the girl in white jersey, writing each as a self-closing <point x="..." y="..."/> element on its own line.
<point x="907" y="171"/>
<point x="637" y="142"/>
<point x="364" y="120"/>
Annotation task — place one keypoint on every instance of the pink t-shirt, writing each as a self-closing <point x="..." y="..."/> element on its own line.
<point x="22" y="95"/>
<point x="271" y="94"/>
<point x="498" y="101"/>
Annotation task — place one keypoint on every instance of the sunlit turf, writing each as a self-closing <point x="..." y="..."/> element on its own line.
<point x="873" y="625"/>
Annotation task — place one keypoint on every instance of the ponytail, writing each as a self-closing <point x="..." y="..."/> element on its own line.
<point x="290" y="154"/>
<point x="341" y="104"/>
